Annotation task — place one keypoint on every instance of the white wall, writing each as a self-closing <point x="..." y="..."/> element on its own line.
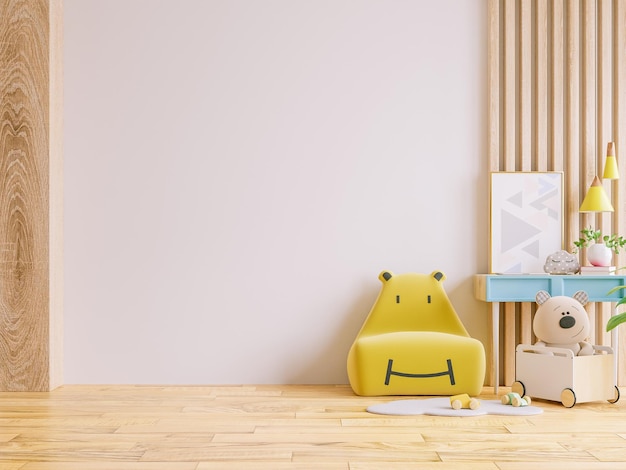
<point x="238" y="172"/>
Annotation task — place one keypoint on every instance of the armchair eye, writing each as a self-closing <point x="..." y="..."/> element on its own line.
<point x="429" y="299"/>
<point x="397" y="299"/>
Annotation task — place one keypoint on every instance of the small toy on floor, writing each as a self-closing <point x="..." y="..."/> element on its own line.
<point x="464" y="401"/>
<point x="515" y="399"/>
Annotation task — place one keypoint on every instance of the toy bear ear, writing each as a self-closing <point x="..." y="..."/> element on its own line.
<point x="581" y="296"/>
<point x="541" y="297"/>
<point x="438" y="275"/>
<point x="385" y="276"/>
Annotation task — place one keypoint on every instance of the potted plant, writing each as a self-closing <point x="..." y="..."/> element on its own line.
<point x="600" y="248"/>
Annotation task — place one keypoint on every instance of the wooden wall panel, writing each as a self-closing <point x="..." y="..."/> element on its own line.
<point x="556" y="78"/>
<point x="604" y="129"/>
<point x="588" y="116"/>
<point x="493" y="114"/>
<point x="559" y="67"/>
<point x="540" y="117"/>
<point x="30" y="195"/>
<point x="55" y="193"/>
<point x="508" y="163"/>
<point x="493" y="77"/>
<point x="572" y="157"/>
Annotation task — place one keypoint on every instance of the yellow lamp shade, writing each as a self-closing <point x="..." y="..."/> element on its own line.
<point x="596" y="199"/>
<point x="610" y="166"/>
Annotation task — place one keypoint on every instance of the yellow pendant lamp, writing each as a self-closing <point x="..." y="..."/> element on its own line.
<point x="610" y="166"/>
<point x="596" y="199"/>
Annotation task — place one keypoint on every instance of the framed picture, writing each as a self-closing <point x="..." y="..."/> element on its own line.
<point x="526" y="220"/>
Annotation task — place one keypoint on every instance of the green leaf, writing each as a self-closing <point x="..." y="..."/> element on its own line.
<point x="621" y="301"/>
<point x="615" y="320"/>
<point x="615" y="289"/>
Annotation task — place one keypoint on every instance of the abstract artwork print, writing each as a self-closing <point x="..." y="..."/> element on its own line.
<point x="526" y="220"/>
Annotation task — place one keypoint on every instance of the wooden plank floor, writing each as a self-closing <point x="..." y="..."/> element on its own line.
<point x="290" y="427"/>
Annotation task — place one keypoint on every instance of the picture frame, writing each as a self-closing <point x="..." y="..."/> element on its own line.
<point x="526" y="220"/>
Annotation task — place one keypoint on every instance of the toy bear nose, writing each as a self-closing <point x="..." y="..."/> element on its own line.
<point x="567" y="322"/>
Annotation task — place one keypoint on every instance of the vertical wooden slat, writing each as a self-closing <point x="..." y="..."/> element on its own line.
<point x="588" y="110"/>
<point x="572" y="119"/>
<point x="525" y="157"/>
<point x="619" y="81"/>
<point x="525" y="84"/>
<point x="509" y="130"/>
<point x="589" y="114"/>
<point x="541" y="81"/>
<point x="619" y="118"/>
<point x="604" y="55"/>
<point x="604" y="131"/>
<point x="509" y="123"/>
<point x="525" y="325"/>
<point x="557" y="88"/>
<point x="30" y="195"/>
<point x="493" y="77"/>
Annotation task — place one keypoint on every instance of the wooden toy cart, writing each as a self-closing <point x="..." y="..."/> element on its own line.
<point x="564" y="377"/>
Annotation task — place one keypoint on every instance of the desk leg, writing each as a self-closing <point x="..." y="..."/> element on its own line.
<point x="495" y="345"/>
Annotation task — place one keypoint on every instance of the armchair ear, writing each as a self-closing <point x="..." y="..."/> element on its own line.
<point x="438" y="275"/>
<point x="541" y="297"/>
<point x="384" y="276"/>
<point x="581" y="296"/>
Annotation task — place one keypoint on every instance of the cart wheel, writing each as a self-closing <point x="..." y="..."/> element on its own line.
<point x="518" y="387"/>
<point x="568" y="398"/>
<point x="616" y="399"/>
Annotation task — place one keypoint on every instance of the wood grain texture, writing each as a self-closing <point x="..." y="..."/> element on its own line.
<point x="27" y="149"/>
<point x="289" y="427"/>
<point x="525" y="102"/>
<point x="572" y="120"/>
<point x="540" y="118"/>
<point x="493" y="77"/>
<point x="509" y="93"/>
<point x="619" y="118"/>
<point x="526" y="157"/>
<point x="555" y="68"/>
<point x="509" y="162"/>
<point x="604" y="126"/>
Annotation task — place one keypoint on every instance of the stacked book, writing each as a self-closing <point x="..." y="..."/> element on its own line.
<point x="598" y="270"/>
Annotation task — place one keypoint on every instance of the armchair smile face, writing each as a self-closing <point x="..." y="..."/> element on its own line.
<point x="413" y="342"/>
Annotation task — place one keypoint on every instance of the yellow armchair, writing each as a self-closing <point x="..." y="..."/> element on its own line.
<point x="413" y="343"/>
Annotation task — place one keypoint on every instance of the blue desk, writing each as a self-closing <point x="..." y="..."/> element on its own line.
<point x="496" y="288"/>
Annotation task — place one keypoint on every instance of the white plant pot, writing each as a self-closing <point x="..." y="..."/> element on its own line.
<point x="599" y="254"/>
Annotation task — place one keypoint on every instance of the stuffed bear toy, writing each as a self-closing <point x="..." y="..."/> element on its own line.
<point x="562" y="322"/>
